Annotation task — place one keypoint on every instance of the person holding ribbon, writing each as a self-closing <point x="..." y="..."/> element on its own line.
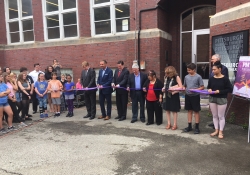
<point x="119" y="84"/>
<point x="88" y="81"/>
<point x="153" y="88"/>
<point x="105" y="90"/>
<point x="192" y="99"/>
<point x="219" y="86"/>
<point x="172" y="100"/>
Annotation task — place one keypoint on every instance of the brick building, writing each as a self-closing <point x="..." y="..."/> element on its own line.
<point x="159" y="32"/>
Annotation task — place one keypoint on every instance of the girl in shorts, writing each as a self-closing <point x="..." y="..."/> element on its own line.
<point x="69" y="95"/>
<point x="4" y="106"/>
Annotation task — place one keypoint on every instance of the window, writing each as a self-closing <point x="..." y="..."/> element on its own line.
<point x="110" y="16"/>
<point x="60" y="19"/>
<point x="19" y="19"/>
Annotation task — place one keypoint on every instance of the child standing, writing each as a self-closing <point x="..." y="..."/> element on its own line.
<point x="41" y="94"/>
<point x="78" y="84"/>
<point x="69" y="95"/>
<point x="192" y="100"/>
<point x="55" y="87"/>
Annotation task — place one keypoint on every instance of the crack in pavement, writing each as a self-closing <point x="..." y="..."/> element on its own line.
<point x="9" y="172"/>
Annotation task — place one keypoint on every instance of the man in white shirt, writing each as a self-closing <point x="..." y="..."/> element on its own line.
<point x="34" y="75"/>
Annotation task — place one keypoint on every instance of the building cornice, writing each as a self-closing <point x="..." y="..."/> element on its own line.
<point x="231" y="14"/>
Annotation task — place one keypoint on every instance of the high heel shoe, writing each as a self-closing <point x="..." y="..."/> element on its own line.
<point x="214" y="134"/>
<point x="174" y="127"/>
<point x="168" y="126"/>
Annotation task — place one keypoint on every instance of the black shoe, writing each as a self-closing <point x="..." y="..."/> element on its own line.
<point x="68" y="114"/>
<point x="149" y="123"/>
<point x="86" y="116"/>
<point x="34" y="112"/>
<point x="28" y="118"/>
<point x="211" y="125"/>
<point x="143" y="120"/>
<point x="187" y="129"/>
<point x="133" y="121"/>
<point x="196" y="131"/>
<point x="158" y="124"/>
<point x="30" y="115"/>
<point x="91" y="118"/>
<point x="117" y="117"/>
<point x="121" y="119"/>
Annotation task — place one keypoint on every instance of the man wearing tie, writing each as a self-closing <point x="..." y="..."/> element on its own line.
<point x="119" y="83"/>
<point x="135" y="82"/>
<point x="105" y="90"/>
<point x="88" y="81"/>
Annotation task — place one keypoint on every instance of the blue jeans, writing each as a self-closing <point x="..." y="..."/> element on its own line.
<point x="42" y="102"/>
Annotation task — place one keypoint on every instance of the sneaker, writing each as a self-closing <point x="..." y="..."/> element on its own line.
<point x="3" y="131"/>
<point x="68" y="114"/>
<point x="58" y="114"/>
<point x="46" y="115"/>
<point x="188" y="129"/>
<point x="55" y="115"/>
<point x="41" y="115"/>
<point x="22" y="125"/>
<point x="12" y="128"/>
<point x="196" y="131"/>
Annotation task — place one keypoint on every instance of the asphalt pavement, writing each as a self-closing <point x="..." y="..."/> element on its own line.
<point x="77" y="146"/>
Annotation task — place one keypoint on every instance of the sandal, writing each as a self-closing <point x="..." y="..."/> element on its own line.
<point x="220" y="136"/>
<point x="168" y="126"/>
<point x="174" y="127"/>
<point x="214" y="134"/>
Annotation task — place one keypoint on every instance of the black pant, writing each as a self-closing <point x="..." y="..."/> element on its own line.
<point x="138" y="97"/>
<point x="122" y="103"/>
<point x="102" y="98"/>
<point x="90" y="102"/>
<point x="13" y="107"/>
<point x="34" y="101"/>
<point x="154" y="108"/>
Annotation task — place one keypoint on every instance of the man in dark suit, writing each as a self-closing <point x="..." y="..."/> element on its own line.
<point x="120" y="83"/>
<point x="134" y="85"/>
<point x="105" y="90"/>
<point x="88" y="81"/>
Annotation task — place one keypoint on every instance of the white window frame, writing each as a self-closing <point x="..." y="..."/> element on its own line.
<point x="60" y="13"/>
<point x="20" y="19"/>
<point x="112" y="5"/>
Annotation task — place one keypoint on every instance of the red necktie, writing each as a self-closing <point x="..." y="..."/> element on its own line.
<point x="119" y="73"/>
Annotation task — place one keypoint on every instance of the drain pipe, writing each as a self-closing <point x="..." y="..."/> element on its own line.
<point x="139" y="32"/>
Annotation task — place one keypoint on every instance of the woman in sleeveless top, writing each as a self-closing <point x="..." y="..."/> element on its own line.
<point x="24" y="88"/>
<point x="172" y="98"/>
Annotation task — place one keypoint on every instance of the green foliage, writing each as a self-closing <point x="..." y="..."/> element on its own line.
<point x="209" y="114"/>
<point x="231" y="118"/>
<point x="245" y="126"/>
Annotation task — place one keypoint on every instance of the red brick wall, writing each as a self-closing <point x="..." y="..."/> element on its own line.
<point x="3" y="38"/>
<point x="227" y="4"/>
<point x="84" y="18"/>
<point x="239" y="107"/>
<point x="38" y="20"/>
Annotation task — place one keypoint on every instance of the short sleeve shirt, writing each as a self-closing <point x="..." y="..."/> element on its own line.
<point x="68" y="86"/>
<point x="41" y="86"/>
<point x="192" y="82"/>
<point x="3" y="87"/>
<point x="55" y="85"/>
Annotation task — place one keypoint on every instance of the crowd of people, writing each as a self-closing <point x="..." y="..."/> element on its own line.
<point x="48" y="88"/>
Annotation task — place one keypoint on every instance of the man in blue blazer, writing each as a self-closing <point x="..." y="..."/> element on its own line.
<point x="105" y="90"/>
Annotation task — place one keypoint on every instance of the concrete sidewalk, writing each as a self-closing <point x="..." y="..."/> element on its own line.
<point x="75" y="145"/>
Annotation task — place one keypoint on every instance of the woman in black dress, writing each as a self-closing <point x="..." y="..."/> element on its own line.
<point x="172" y="98"/>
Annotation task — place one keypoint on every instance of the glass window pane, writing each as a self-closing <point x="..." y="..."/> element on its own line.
<point x="101" y="1"/>
<point x="53" y="33"/>
<point x="70" y="31"/>
<point x="28" y="36"/>
<point x="122" y="11"/>
<point x="122" y="25"/>
<point x="201" y="17"/>
<point x="102" y="13"/>
<point x="187" y="21"/>
<point x="13" y="9"/>
<point x="52" y="21"/>
<point x="27" y="25"/>
<point x="203" y="48"/>
<point x="186" y="52"/>
<point x="69" y="4"/>
<point x="14" y="37"/>
<point x="203" y="70"/>
<point x="51" y="5"/>
<point x="69" y="18"/>
<point x="14" y="26"/>
<point x="102" y="27"/>
<point x="26" y="8"/>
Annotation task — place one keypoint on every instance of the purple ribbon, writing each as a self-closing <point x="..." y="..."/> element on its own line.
<point x="202" y="91"/>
